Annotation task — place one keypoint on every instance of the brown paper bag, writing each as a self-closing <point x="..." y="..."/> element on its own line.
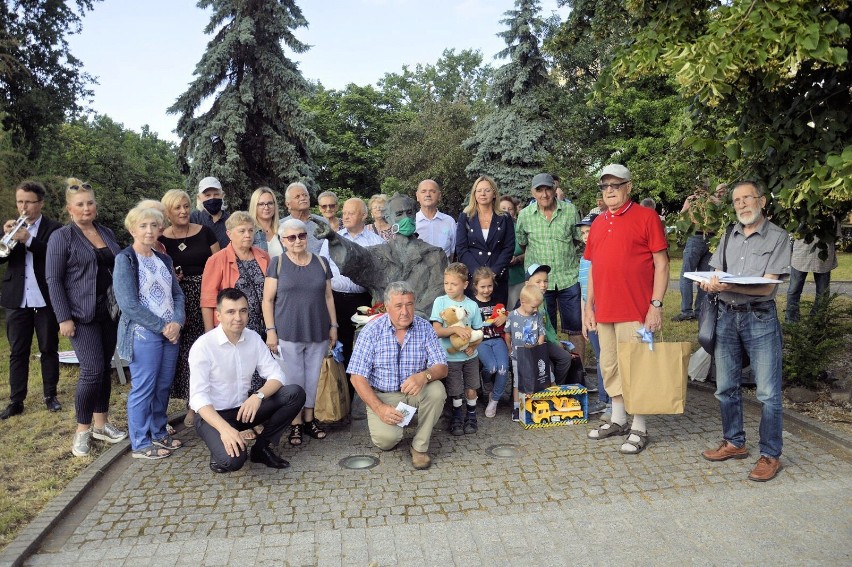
<point x="332" y="402"/>
<point x="654" y="381"/>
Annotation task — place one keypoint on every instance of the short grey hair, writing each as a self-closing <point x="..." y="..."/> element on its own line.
<point x="327" y="194"/>
<point x="291" y="224"/>
<point x="398" y="288"/>
<point x="759" y="189"/>
<point x="294" y="185"/>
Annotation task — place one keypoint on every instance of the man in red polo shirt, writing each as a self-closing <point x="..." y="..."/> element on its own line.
<point x="630" y="272"/>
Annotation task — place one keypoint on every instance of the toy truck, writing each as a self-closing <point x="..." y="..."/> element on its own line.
<point x="562" y="408"/>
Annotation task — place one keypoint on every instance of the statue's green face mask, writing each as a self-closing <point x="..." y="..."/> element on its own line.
<point x="404" y="227"/>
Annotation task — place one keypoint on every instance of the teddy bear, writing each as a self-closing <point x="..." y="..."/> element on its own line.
<point x="457" y="317"/>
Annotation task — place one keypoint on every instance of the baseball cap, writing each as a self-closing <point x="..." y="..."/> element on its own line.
<point x="208" y="183"/>
<point x="531" y="271"/>
<point x="616" y="170"/>
<point x="543" y="179"/>
<point x="588" y="219"/>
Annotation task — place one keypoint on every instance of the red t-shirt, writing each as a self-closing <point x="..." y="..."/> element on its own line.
<point x="620" y="248"/>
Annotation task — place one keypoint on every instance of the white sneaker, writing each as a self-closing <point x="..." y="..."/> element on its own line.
<point x="82" y="441"/>
<point x="491" y="408"/>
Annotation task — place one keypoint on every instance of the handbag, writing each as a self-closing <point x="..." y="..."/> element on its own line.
<point x="533" y="368"/>
<point x="112" y="304"/>
<point x="332" y="401"/>
<point x="654" y="381"/>
<point x="709" y="308"/>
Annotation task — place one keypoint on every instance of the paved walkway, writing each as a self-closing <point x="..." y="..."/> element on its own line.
<point x="567" y="500"/>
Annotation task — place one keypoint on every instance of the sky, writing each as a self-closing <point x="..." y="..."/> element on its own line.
<point x="143" y="52"/>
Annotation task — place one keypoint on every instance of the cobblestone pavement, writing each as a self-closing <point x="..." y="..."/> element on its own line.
<point x="566" y="500"/>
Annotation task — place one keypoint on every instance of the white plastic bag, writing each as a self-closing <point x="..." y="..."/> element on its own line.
<point x="699" y="365"/>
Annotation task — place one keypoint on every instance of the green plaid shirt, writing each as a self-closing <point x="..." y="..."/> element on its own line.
<point x="551" y="242"/>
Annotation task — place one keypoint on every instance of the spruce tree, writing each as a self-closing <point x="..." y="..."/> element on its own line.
<point x="512" y="142"/>
<point x="255" y="133"/>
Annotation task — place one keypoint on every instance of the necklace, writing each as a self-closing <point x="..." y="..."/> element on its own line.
<point x="182" y="246"/>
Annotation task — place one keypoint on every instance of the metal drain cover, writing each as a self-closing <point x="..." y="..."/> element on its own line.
<point x="503" y="451"/>
<point x="359" y="462"/>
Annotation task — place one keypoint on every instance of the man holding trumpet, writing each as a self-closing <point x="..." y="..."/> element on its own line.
<point x="24" y="247"/>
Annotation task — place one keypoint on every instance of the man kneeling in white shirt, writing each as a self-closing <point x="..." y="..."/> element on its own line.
<point x="221" y="364"/>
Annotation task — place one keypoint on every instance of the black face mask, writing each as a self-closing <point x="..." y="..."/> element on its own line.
<point x="213" y="206"/>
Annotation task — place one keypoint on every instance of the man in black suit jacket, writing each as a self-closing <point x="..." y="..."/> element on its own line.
<point x="27" y="302"/>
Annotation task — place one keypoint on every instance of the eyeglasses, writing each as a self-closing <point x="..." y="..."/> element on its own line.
<point x="605" y="186"/>
<point x="292" y="237"/>
<point x="269" y="204"/>
<point x="84" y="186"/>
<point x="332" y="206"/>
<point x="744" y="200"/>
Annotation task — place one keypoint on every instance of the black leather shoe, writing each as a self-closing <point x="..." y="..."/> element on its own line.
<point x="216" y="468"/>
<point x="13" y="408"/>
<point x="52" y="403"/>
<point x="261" y="453"/>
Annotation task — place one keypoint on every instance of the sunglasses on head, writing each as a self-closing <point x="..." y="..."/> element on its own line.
<point x="85" y="186"/>
<point x="293" y="237"/>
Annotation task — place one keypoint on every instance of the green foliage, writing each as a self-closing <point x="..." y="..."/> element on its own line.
<point x="769" y="88"/>
<point x="812" y="343"/>
<point x="40" y="80"/>
<point x="354" y="125"/>
<point x="513" y="142"/>
<point x="123" y="167"/>
<point x="430" y="147"/>
<point x="255" y="132"/>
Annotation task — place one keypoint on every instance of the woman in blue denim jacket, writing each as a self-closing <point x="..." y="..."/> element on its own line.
<point x="152" y="314"/>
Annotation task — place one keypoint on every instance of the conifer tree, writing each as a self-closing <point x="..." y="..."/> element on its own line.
<point x="512" y="142"/>
<point x="255" y="133"/>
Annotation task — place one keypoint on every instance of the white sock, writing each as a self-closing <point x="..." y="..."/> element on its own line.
<point x="619" y="415"/>
<point x="471" y="403"/>
<point x="639" y="423"/>
<point x="457" y="402"/>
<point x="516" y="405"/>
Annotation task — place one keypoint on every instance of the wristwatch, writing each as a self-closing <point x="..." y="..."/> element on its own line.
<point x="657" y="303"/>
<point x="428" y="377"/>
<point x="260" y="395"/>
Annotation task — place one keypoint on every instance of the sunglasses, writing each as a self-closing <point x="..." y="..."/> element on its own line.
<point x="292" y="237"/>
<point x="84" y="186"/>
<point x="333" y="206"/>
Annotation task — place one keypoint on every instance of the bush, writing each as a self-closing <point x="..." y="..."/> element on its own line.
<point x="812" y="343"/>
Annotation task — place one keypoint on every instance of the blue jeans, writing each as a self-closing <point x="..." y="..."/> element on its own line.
<point x="152" y="371"/>
<point x="603" y="397"/>
<point x="696" y="257"/>
<point x="494" y="356"/>
<point x="794" y="291"/>
<point x="758" y="333"/>
<point x="569" y="308"/>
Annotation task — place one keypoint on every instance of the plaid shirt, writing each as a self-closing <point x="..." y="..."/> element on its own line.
<point x="551" y="242"/>
<point x="385" y="363"/>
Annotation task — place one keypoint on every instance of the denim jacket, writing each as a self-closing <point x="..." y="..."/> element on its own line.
<point x="126" y="286"/>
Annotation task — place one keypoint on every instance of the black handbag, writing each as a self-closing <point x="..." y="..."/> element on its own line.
<point x="708" y="310"/>
<point x="533" y="368"/>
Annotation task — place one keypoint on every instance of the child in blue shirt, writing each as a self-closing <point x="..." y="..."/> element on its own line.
<point x="463" y="375"/>
<point x="524" y="327"/>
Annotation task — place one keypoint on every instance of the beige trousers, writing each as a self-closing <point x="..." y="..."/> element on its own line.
<point x="610" y="335"/>
<point x="429" y="403"/>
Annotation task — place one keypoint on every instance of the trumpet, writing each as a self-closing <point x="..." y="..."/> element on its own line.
<point x="8" y="242"/>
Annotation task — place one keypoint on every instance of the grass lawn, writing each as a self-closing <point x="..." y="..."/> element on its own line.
<point x="842" y="273"/>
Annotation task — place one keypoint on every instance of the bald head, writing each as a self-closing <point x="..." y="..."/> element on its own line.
<point x="428" y="195"/>
<point x="354" y="214"/>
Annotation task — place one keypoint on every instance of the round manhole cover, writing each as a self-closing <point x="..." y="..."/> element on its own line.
<point x="504" y="451"/>
<point x="359" y="462"/>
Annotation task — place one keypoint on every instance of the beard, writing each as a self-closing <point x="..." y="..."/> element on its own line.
<point x="749" y="217"/>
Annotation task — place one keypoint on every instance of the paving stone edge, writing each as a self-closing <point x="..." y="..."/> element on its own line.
<point x="31" y="536"/>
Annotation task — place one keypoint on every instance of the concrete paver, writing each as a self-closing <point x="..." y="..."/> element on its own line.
<point x="567" y="499"/>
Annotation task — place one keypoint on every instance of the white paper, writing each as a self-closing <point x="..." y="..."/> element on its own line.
<point x="725" y="277"/>
<point x="407" y="413"/>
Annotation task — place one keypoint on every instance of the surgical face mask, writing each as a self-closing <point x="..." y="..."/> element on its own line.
<point x="213" y="206"/>
<point x="405" y="227"/>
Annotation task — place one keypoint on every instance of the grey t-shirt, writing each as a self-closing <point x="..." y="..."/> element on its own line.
<point x="301" y="314"/>
<point x="765" y="251"/>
